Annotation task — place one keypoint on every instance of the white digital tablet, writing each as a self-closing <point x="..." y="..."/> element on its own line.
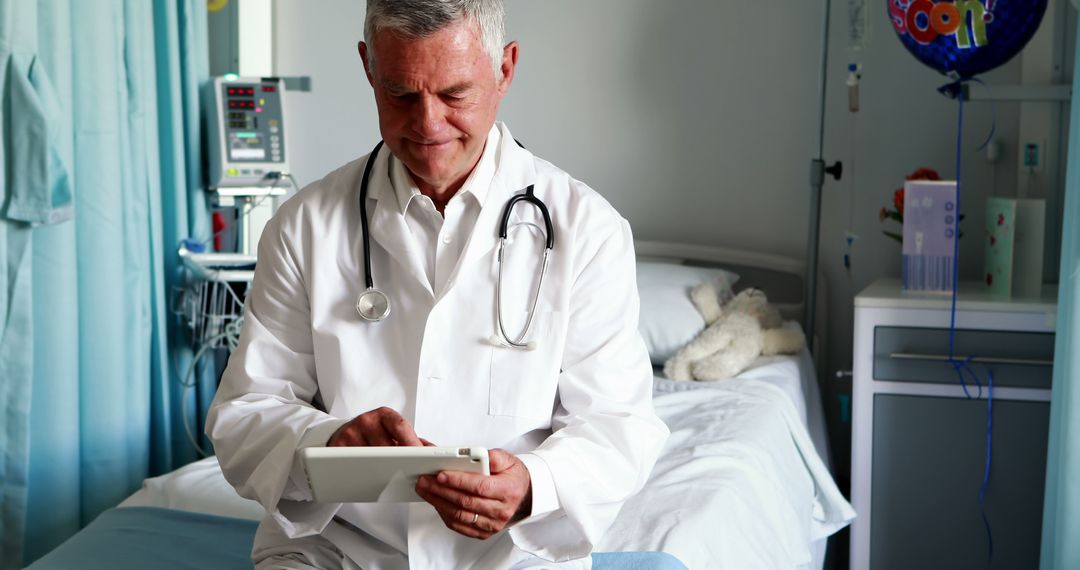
<point x="383" y="474"/>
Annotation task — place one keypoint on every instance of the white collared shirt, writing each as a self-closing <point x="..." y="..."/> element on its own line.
<point x="440" y="238"/>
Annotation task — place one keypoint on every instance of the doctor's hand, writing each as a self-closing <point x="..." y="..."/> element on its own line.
<point x="379" y="427"/>
<point x="476" y="505"/>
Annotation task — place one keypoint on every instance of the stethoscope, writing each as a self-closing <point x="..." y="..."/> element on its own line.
<point x="374" y="305"/>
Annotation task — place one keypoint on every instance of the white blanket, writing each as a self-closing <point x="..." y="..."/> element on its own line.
<point x="739" y="484"/>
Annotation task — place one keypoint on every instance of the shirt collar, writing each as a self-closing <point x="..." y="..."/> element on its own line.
<point x="476" y="185"/>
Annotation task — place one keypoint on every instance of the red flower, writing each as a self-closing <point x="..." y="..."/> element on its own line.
<point x="924" y="174"/>
<point x="898" y="200"/>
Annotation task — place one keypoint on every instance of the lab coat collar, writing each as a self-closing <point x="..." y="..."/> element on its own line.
<point x="514" y="170"/>
<point x="388" y="226"/>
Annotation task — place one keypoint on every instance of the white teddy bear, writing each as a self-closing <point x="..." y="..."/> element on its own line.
<point x="737" y="333"/>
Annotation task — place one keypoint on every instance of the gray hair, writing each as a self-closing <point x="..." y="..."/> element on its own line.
<point x="422" y="18"/>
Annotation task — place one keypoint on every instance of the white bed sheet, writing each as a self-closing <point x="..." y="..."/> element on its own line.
<point x="796" y="377"/>
<point x="740" y="484"/>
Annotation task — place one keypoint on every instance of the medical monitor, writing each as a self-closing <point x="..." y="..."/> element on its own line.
<point x="246" y="133"/>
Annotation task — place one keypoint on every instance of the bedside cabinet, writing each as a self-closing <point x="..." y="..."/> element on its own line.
<point x="919" y="444"/>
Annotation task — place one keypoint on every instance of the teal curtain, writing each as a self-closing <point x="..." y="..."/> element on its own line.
<point x="1061" y="508"/>
<point x="35" y="189"/>
<point x="101" y="183"/>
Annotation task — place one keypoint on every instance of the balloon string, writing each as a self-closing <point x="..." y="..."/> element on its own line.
<point x="961" y="366"/>
<point x="955" y="90"/>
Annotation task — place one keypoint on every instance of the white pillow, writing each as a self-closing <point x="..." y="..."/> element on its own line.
<point x="198" y="487"/>
<point x="668" y="318"/>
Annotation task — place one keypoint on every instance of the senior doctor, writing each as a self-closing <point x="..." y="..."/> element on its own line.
<point x="570" y="423"/>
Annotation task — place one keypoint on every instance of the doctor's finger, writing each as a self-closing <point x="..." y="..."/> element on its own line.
<point x="501" y="460"/>
<point x="459" y="520"/>
<point x="465" y="503"/>
<point x="398" y="428"/>
<point x="473" y="484"/>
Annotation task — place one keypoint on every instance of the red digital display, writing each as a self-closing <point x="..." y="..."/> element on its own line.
<point x="241" y="104"/>
<point x="241" y="91"/>
<point x="269" y="88"/>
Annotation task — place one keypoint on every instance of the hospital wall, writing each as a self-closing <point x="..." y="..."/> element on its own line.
<point x="697" y="119"/>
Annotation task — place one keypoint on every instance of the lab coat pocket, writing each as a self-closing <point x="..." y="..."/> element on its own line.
<point x="524" y="382"/>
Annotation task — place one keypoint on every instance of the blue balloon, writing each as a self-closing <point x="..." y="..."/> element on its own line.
<point x="964" y="38"/>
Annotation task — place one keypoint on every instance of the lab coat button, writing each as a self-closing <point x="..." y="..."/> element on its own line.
<point x="447" y="239"/>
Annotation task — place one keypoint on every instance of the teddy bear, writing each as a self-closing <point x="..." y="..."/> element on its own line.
<point x="737" y="332"/>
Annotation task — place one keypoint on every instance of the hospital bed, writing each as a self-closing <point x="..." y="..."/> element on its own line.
<point x="742" y="483"/>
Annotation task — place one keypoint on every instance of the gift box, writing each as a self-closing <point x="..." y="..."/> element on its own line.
<point x="1014" y="246"/>
<point x="929" y="236"/>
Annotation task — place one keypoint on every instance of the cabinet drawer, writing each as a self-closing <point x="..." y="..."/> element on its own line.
<point x="914" y="354"/>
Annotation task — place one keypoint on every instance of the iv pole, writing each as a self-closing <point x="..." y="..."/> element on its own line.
<point x="817" y="180"/>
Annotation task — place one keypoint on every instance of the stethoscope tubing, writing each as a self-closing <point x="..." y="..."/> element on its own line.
<point x="528" y="196"/>
<point x="366" y="235"/>
<point x="369" y="303"/>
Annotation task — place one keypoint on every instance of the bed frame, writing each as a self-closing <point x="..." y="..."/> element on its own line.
<point x="781" y="278"/>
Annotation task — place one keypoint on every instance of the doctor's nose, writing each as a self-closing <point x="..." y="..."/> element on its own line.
<point x="429" y="117"/>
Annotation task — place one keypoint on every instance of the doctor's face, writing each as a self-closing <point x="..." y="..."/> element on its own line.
<point x="437" y="99"/>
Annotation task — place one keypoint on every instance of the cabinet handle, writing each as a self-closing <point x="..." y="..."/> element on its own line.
<point x="977" y="359"/>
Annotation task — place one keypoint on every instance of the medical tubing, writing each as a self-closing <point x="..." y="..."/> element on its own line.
<point x="961" y="366"/>
<point x="274" y="177"/>
<point x="231" y="335"/>
<point x="292" y="180"/>
<point x="187" y="384"/>
<point x="368" y="280"/>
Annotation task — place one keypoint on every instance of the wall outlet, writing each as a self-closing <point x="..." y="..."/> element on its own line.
<point x="1031" y="155"/>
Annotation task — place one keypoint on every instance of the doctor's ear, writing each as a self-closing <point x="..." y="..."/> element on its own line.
<point x="363" y="49"/>
<point x="509" y="63"/>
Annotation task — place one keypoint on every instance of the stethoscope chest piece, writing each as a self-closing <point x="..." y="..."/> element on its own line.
<point x="373" y="305"/>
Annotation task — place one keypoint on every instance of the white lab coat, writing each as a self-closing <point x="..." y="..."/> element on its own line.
<point x="578" y="409"/>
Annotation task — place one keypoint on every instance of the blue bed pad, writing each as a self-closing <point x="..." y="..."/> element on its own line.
<point x="149" y="537"/>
